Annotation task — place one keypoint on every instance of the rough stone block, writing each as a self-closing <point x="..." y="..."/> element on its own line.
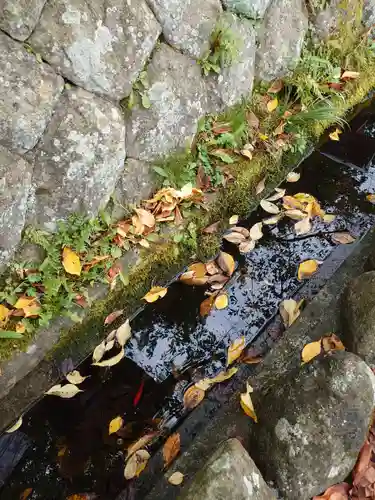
<point x="254" y="9"/>
<point x="79" y="159"/>
<point x="101" y="45"/>
<point x="369" y="13"/>
<point x="178" y="99"/>
<point x="236" y="81"/>
<point x="313" y="423"/>
<point x="187" y="24"/>
<point x="281" y="38"/>
<point x="19" y="17"/>
<point x="326" y="21"/>
<point x="15" y="187"/>
<point x="29" y="90"/>
<point x="229" y="473"/>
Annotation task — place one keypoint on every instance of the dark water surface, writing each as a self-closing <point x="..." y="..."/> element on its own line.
<point x="63" y="446"/>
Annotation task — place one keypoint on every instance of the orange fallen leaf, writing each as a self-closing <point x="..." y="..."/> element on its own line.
<point x="335" y="492"/>
<point x="193" y="396"/>
<point x="311" y="350"/>
<point x="206" y="306"/>
<point x="199" y="269"/>
<point x="235" y="350"/>
<point x="332" y="343"/>
<point x="71" y="262"/>
<point x="171" y="449"/>
<point x="334" y="136"/>
<point x="156" y="292"/>
<point x="26" y="493"/>
<point x="307" y="268"/>
<point x="94" y="261"/>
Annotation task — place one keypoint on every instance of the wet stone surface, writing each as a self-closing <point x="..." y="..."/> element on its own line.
<point x="170" y="336"/>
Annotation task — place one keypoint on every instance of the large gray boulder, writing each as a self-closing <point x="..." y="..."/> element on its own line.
<point x="100" y="45"/>
<point x="281" y="38"/>
<point x="254" y="9"/>
<point x="369" y="13"/>
<point x="79" y="159"/>
<point x="328" y="20"/>
<point x="187" y="24"/>
<point x="358" y="317"/>
<point x="236" y="81"/>
<point x="313" y="423"/>
<point x="177" y="100"/>
<point x="29" y="90"/>
<point x="19" y="17"/>
<point x="230" y="473"/>
<point x="15" y="187"/>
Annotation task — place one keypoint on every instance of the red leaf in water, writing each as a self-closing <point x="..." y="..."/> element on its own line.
<point x="138" y="396"/>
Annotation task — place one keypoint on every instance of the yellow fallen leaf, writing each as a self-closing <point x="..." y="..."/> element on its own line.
<point x="206" y="383"/>
<point x="334" y="136"/>
<point x="233" y="220"/>
<point x="247" y="404"/>
<point x="15" y="426"/>
<point x="75" y="377"/>
<point x="307" y="268"/>
<point x="371" y="198"/>
<point x="71" y="262"/>
<point x="235" y="350"/>
<point x="115" y="425"/>
<point x="192" y="397"/>
<point x="20" y="327"/>
<point x="136" y="464"/>
<point x="263" y="137"/>
<point x="176" y="478"/>
<point x="226" y="263"/>
<point x="156" y="292"/>
<point x="272" y="104"/>
<point x="311" y="350"/>
<point x="4" y="314"/>
<point x="221" y="302"/>
<point x="256" y="231"/>
<point x="329" y="218"/>
<point x="293" y="177"/>
<point x="111" y="361"/>
<point x="289" y="311"/>
<point x="66" y="391"/>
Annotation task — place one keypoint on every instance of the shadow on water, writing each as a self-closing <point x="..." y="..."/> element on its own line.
<point x="63" y="446"/>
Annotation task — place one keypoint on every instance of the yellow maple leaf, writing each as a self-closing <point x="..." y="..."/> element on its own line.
<point x="156" y="292"/>
<point x="71" y="262"/>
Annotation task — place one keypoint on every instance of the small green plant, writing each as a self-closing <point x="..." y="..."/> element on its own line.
<point x="177" y="170"/>
<point x="139" y="93"/>
<point x="224" y="49"/>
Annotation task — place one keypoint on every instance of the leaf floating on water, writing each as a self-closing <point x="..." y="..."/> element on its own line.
<point x="272" y="105"/>
<point x="111" y="361"/>
<point x="233" y="220"/>
<point x="334" y="136"/>
<point x="289" y="311"/>
<point x="115" y="425"/>
<point x="261" y="186"/>
<point x="269" y="207"/>
<point x="99" y="352"/>
<point x="192" y="397"/>
<point x="272" y="220"/>
<point x="71" y="262"/>
<point x="235" y="350"/>
<point x="66" y="391"/>
<point x="332" y="343"/>
<point x="226" y="263"/>
<point x="311" y="350"/>
<point x="221" y="302"/>
<point x="123" y="333"/>
<point x="114" y="315"/>
<point x="371" y="198"/>
<point x="75" y="377"/>
<point x="303" y="226"/>
<point x="307" y="268"/>
<point x="15" y="426"/>
<point x="171" y="449"/>
<point x="206" y="306"/>
<point x="176" y="478"/>
<point x="234" y="237"/>
<point x="280" y="193"/>
<point x="206" y="383"/>
<point x="293" y="177"/>
<point x="329" y="218"/>
<point x="247" y="404"/>
<point x="256" y="231"/>
<point x="140" y="443"/>
<point x="136" y="464"/>
<point x="26" y="493"/>
<point x="247" y="246"/>
<point x="156" y="292"/>
<point x="343" y="238"/>
<point x="199" y="269"/>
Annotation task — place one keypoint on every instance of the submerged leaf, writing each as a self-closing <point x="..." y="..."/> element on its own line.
<point x="136" y="464"/>
<point x="247" y="246"/>
<point x="344" y="238"/>
<point x="307" y="268"/>
<point x="280" y="193"/>
<point x="193" y="396"/>
<point x="115" y="425"/>
<point x="247" y="404"/>
<point x="71" y="262"/>
<point x="334" y="136"/>
<point x="111" y="361"/>
<point x="234" y="237"/>
<point x="15" y="426"/>
<point x="156" y="292"/>
<point x="176" y="478"/>
<point x="171" y="449"/>
<point x="303" y="226"/>
<point x="66" y="391"/>
<point x="235" y="349"/>
<point x="199" y="269"/>
<point x="371" y="198"/>
<point x="75" y="377"/>
<point x="329" y="218"/>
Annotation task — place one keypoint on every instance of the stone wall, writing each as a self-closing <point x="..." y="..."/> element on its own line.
<point x="67" y="146"/>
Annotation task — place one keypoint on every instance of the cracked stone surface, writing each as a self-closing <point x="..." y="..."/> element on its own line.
<point x="79" y="159"/>
<point x="19" y="17"/>
<point x="369" y="13"/>
<point x="100" y="45"/>
<point x="29" y="91"/>
<point x="236" y="81"/>
<point x="178" y="99"/>
<point x="15" y="187"/>
<point x="281" y="38"/>
<point x="312" y="424"/>
<point x="187" y="24"/>
<point x="254" y="9"/>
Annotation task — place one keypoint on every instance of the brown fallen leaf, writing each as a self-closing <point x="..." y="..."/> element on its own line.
<point x="307" y="268"/>
<point x="114" y="315"/>
<point x="343" y="238"/>
<point x="140" y="443"/>
<point x="247" y="404"/>
<point x="26" y="493"/>
<point x="251" y="360"/>
<point x="226" y="263"/>
<point x="115" y="424"/>
<point x="350" y="75"/>
<point x="171" y="449"/>
<point x="235" y="350"/>
<point x="212" y="268"/>
<point x="260" y="186"/>
<point x="332" y="343"/>
<point x="311" y="350"/>
<point x="136" y="464"/>
<point x="238" y="229"/>
<point x="221" y="301"/>
<point x="71" y="262"/>
<point x="212" y="228"/>
<point x="234" y="237"/>
<point x="280" y="128"/>
<point x="176" y="478"/>
<point x="276" y="87"/>
<point x="156" y="292"/>
<point x="247" y="154"/>
<point x="193" y="397"/>
<point x="289" y="311"/>
<point x="252" y="120"/>
<point x="363" y="461"/>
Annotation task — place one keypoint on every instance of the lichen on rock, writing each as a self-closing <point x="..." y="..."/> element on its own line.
<point x="19" y="17"/>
